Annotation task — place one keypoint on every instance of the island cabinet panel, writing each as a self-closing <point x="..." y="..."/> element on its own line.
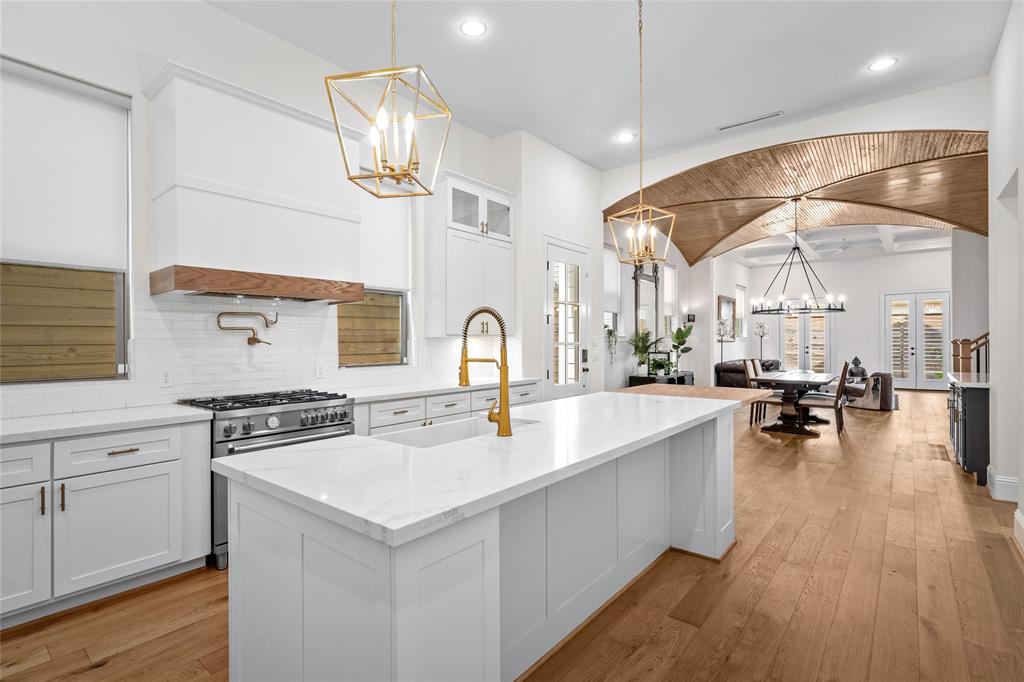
<point x="567" y="549"/>
<point x="700" y="514"/>
<point x="25" y="513"/>
<point x="582" y="537"/>
<point x="446" y="602"/>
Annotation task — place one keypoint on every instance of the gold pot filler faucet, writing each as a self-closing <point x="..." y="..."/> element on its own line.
<point x="499" y="408"/>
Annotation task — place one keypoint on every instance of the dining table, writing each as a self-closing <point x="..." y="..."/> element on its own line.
<point x="795" y="384"/>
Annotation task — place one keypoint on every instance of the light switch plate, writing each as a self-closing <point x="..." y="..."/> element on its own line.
<point x="166" y="377"/>
<point x="320" y="372"/>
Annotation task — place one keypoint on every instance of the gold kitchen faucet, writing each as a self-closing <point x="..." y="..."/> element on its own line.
<point x="499" y="409"/>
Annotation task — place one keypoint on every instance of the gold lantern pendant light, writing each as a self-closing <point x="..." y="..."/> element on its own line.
<point x="641" y="225"/>
<point x="402" y="126"/>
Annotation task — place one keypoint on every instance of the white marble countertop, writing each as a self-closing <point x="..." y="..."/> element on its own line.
<point x="969" y="379"/>
<point x="372" y="394"/>
<point x="48" y="427"/>
<point x="396" y="493"/>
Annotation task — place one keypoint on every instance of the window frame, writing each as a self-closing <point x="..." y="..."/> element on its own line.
<point x="402" y="325"/>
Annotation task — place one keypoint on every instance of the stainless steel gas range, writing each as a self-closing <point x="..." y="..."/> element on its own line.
<point x="259" y="421"/>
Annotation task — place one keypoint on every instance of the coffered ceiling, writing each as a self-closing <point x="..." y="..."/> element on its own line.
<point x="925" y="178"/>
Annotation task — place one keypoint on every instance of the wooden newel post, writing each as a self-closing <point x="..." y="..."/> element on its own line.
<point x="961" y="355"/>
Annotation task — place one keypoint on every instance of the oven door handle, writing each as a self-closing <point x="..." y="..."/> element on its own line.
<point x="239" y="449"/>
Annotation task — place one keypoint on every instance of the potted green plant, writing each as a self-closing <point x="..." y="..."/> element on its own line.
<point x="660" y="366"/>
<point x="611" y="342"/>
<point x="679" y="341"/>
<point x="642" y="343"/>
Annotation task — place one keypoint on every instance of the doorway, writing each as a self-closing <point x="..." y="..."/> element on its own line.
<point x="806" y="342"/>
<point x="566" y="322"/>
<point x="916" y="345"/>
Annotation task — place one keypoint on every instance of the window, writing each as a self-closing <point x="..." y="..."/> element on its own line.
<point x="372" y="332"/>
<point x="668" y="288"/>
<point x="60" y="323"/>
<point x="611" y="321"/>
<point x="741" y="312"/>
<point x="64" y="227"/>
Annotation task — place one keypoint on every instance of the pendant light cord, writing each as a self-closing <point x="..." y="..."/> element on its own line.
<point x="640" y="32"/>
<point x="394" y="33"/>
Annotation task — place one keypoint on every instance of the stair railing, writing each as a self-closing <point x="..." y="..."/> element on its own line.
<point x="971" y="355"/>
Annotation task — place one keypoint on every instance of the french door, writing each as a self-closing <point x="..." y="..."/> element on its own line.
<point x="916" y="347"/>
<point x="806" y="342"/>
<point x="566" y="320"/>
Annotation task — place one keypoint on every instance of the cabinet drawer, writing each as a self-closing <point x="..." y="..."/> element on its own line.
<point x="397" y="412"/>
<point x="115" y="451"/>
<point x="448" y="404"/>
<point x="21" y="464"/>
<point x="482" y="399"/>
<point x="520" y="395"/>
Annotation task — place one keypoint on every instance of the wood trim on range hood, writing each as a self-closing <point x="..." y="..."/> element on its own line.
<point x="196" y="280"/>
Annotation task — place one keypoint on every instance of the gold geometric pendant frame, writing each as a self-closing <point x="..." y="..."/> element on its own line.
<point x="639" y="227"/>
<point x="404" y="158"/>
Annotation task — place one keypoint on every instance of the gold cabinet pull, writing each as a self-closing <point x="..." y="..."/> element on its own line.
<point x="62" y="506"/>
<point x="42" y="500"/>
<point x="126" y="451"/>
<point x="523" y="395"/>
<point x="399" y="411"/>
<point x="450" y="404"/>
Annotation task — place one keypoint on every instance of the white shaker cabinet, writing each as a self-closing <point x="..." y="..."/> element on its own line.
<point x="114" y="524"/>
<point x="478" y="271"/>
<point x="469" y="257"/>
<point x="25" y="513"/>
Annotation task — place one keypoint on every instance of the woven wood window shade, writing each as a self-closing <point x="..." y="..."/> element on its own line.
<point x="371" y="332"/>
<point x="57" y="323"/>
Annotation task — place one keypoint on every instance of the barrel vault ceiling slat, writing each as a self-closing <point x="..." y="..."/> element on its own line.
<point x="923" y="178"/>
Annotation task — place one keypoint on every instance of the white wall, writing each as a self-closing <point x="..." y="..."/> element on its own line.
<point x="969" y="283"/>
<point x="1006" y="257"/>
<point x="727" y="276"/>
<point x="859" y="330"/>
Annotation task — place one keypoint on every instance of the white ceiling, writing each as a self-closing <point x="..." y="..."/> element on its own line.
<point x="566" y="71"/>
<point x="850" y="243"/>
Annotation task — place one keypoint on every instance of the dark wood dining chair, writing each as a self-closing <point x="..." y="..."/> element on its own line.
<point x="758" y="408"/>
<point x="812" y="401"/>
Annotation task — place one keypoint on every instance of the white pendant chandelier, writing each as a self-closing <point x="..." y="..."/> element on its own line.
<point x="400" y="126"/>
<point x="641" y="233"/>
<point x="813" y="300"/>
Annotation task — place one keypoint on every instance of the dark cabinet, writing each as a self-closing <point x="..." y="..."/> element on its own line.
<point x="968" y="429"/>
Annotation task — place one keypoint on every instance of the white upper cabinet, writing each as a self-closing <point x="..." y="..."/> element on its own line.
<point x="473" y="207"/>
<point x="470" y="259"/>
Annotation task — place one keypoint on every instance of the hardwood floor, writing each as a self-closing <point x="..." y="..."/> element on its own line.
<point x="869" y="556"/>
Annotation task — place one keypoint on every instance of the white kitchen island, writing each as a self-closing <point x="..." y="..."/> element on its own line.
<point x="443" y="555"/>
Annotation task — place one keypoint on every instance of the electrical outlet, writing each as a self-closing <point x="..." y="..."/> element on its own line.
<point x="166" y="378"/>
<point x="320" y="372"/>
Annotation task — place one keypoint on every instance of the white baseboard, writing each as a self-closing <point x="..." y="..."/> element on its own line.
<point x="1018" y="528"/>
<point x="1002" y="487"/>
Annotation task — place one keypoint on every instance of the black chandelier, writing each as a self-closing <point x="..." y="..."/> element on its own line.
<point x="811" y="301"/>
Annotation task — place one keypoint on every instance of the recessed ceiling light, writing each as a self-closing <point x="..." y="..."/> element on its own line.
<point x="625" y="136"/>
<point x="883" y="63"/>
<point x="473" y="28"/>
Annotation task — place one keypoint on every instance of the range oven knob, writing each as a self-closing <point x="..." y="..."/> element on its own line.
<point x="273" y="421"/>
<point x="332" y="415"/>
<point x="322" y="417"/>
<point x="247" y="425"/>
<point x="230" y="429"/>
<point x="304" y="419"/>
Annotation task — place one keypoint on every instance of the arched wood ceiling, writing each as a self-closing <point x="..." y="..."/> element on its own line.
<point x="921" y="178"/>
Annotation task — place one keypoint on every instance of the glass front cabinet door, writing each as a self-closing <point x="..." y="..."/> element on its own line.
<point x="472" y="208"/>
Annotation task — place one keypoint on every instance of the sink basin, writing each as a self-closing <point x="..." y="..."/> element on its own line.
<point x="449" y="432"/>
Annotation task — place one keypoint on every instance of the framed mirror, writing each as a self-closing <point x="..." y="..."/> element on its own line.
<point x="727" y="311"/>
<point x="648" y="307"/>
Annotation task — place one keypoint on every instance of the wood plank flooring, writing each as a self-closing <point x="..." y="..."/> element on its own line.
<point x="870" y="556"/>
<point x="865" y="557"/>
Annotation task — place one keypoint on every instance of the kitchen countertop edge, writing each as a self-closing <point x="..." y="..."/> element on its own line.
<point x="16" y="430"/>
